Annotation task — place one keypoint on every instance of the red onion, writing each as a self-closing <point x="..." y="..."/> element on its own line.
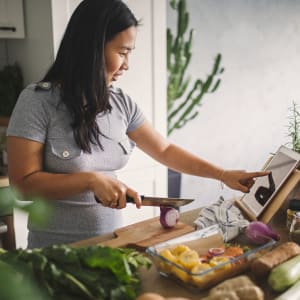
<point x="260" y="233"/>
<point x="216" y="251"/>
<point x="169" y="216"/>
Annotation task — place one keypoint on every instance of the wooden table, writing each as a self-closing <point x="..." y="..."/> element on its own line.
<point x="152" y="281"/>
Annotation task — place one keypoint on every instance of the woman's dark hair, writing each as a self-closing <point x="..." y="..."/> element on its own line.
<point x="79" y="68"/>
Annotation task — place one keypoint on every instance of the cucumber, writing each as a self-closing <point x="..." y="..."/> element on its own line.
<point x="292" y="293"/>
<point x="285" y="274"/>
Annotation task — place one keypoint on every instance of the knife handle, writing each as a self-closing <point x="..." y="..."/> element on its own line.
<point x="131" y="200"/>
<point x="128" y="199"/>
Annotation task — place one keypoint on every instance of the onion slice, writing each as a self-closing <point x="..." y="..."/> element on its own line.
<point x="169" y="216"/>
<point x="260" y="233"/>
<point x="216" y="251"/>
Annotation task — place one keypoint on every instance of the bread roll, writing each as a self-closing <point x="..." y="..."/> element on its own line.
<point x="262" y="266"/>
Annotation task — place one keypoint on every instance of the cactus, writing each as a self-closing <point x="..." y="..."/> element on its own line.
<point x="182" y="106"/>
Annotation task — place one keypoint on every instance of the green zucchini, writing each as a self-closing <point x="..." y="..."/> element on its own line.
<point x="292" y="293"/>
<point x="285" y="275"/>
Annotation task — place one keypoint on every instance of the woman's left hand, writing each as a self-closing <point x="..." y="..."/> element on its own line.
<point x="241" y="180"/>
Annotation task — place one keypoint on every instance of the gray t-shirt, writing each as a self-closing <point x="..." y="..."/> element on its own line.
<point x="39" y="115"/>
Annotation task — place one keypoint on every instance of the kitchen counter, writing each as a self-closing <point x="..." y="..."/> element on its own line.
<point x="152" y="281"/>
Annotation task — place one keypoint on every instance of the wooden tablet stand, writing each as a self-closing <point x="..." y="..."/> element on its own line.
<point x="285" y="193"/>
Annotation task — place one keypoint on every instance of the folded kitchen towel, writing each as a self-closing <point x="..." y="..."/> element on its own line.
<point x="226" y="215"/>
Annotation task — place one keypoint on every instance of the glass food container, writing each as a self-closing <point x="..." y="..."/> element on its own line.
<point x="200" y="259"/>
<point x="295" y="228"/>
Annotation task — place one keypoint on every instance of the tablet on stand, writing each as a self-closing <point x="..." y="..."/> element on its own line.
<point x="269" y="193"/>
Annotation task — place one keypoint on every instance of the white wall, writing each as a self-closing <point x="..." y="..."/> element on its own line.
<point x="246" y="119"/>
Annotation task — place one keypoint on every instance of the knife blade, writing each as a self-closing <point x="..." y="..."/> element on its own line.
<point x="160" y="201"/>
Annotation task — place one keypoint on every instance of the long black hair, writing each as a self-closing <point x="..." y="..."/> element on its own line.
<point x="79" y="67"/>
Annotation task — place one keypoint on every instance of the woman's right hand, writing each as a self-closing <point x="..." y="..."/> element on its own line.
<point x="111" y="192"/>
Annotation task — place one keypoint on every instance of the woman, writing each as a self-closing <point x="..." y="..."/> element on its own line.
<point x="76" y="129"/>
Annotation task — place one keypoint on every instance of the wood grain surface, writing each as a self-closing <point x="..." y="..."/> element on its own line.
<point x="141" y="235"/>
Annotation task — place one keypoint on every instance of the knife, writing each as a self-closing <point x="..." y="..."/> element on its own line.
<point x="160" y="201"/>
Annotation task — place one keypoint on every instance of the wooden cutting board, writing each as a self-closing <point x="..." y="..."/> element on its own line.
<point x="146" y="233"/>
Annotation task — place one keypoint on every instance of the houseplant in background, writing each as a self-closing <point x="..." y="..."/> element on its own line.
<point x="293" y="132"/>
<point x="11" y="84"/>
<point x="184" y="96"/>
<point x="294" y="127"/>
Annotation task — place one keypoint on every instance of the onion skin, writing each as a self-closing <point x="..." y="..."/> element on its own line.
<point x="260" y="233"/>
<point x="169" y="216"/>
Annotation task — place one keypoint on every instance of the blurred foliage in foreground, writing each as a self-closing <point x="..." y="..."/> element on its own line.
<point x="62" y="272"/>
<point x="65" y="273"/>
<point x="14" y="283"/>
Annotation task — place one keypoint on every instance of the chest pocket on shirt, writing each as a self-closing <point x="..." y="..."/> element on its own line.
<point x="64" y="149"/>
<point x="116" y="153"/>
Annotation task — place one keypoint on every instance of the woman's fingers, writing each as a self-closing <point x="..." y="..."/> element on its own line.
<point x="135" y="196"/>
<point x="257" y="174"/>
<point x="242" y="180"/>
<point x="113" y="194"/>
<point x="122" y="188"/>
<point x="250" y="178"/>
<point x="114" y="201"/>
<point x="247" y="182"/>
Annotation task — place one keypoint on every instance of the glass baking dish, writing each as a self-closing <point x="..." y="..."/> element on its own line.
<point x="197" y="260"/>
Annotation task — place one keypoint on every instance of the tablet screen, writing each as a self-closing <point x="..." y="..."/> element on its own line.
<point x="265" y="188"/>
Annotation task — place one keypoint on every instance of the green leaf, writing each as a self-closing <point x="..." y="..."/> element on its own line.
<point x="7" y="200"/>
<point x="40" y="211"/>
<point x="13" y="285"/>
<point x="81" y="273"/>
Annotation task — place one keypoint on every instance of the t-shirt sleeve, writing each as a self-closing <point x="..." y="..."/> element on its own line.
<point x="135" y="115"/>
<point x="29" y="118"/>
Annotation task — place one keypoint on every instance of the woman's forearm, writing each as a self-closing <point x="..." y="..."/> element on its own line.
<point x="183" y="161"/>
<point x="158" y="147"/>
<point x="54" y="186"/>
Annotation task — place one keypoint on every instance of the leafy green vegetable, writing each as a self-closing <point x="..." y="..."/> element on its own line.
<point x="81" y="273"/>
<point x="11" y="280"/>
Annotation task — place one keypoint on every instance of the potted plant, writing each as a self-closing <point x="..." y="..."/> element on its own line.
<point x="184" y="96"/>
<point x="294" y="135"/>
<point x="294" y="127"/>
<point x="11" y="84"/>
